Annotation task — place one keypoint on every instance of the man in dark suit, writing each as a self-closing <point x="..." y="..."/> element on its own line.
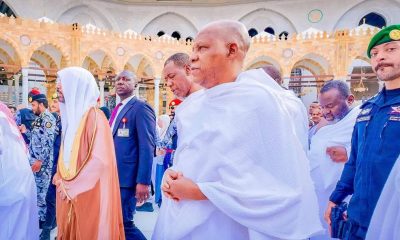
<point x="133" y="124"/>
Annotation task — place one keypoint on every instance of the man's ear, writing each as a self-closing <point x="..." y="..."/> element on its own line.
<point x="188" y="69"/>
<point x="350" y="99"/>
<point x="232" y="49"/>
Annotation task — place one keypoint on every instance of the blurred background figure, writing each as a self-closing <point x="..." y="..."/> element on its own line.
<point x="162" y="126"/>
<point x="106" y="112"/>
<point x="13" y="110"/>
<point x="18" y="209"/>
<point x="50" y="219"/>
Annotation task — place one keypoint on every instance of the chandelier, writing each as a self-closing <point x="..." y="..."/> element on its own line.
<point x="360" y="86"/>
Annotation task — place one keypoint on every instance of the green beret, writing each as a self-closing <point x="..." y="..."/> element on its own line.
<point x="388" y="34"/>
<point x="38" y="98"/>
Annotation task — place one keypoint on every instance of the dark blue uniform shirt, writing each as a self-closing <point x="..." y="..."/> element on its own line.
<point x="374" y="149"/>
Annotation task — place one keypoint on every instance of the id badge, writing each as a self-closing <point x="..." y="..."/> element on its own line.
<point x="123" y="132"/>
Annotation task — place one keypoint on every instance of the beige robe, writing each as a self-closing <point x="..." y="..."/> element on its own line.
<point x="91" y="180"/>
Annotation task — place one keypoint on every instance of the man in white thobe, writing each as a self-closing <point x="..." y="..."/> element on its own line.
<point x="18" y="203"/>
<point x="240" y="172"/>
<point x="330" y="146"/>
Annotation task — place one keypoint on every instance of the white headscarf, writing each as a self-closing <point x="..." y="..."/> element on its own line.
<point x="80" y="93"/>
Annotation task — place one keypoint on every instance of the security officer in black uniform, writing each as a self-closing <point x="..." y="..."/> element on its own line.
<point x="375" y="140"/>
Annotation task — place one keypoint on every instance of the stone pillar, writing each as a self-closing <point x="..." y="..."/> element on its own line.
<point x="16" y="88"/>
<point x="25" y="87"/>
<point x="156" y="95"/>
<point x="101" y="84"/>
<point x="10" y="90"/>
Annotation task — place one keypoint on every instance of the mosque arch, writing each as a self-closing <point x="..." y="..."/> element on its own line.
<point x="87" y="14"/>
<point x="276" y="21"/>
<point x="52" y="54"/>
<point x="318" y="63"/>
<point x="261" y="61"/>
<point x="388" y="10"/>
<point x="9" y="51"/>
<point x="373" y="19"/>
<point x="44" y="62"/>
<point x="6" y="8"/>
<point x="144" y="69"/>
<point x="99" y="62"/>
<point x="304" y="76"/>
<point x="186" y="27"/>
<point x="141" y="65"/>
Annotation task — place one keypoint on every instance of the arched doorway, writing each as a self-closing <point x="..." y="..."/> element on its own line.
<point x="10" y="84"/>
<point x="373" y="19"/>
<point x="142" y="67"/>
<point x="43" y="66"/>
<point x="101" y="65"/>
<point x="308" y="75"/>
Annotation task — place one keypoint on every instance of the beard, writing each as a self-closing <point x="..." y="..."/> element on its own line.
<point x="344" y="109"/>
<point x="389" y="75"/>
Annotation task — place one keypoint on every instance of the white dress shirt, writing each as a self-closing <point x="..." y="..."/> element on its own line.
<point x="124" y="102"/>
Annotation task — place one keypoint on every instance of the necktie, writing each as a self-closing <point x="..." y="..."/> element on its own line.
<point x="114" y="113"/>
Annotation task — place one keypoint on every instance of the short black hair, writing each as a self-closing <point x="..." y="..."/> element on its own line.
<point x="44" y="101"/>
<point x="340" y="85"/>
<point x="179" y="59"/>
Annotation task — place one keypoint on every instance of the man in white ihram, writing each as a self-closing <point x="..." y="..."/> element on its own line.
<point x="18" y="202"/>
<point x="270" y="77"/>
<point x="240" y="172"/>
<point x="330" y="146"/>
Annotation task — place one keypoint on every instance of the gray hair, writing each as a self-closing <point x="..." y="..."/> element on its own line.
<point x="340" y="85"/>
<point x="127" y="74"/>
<point x="179" y="59"/>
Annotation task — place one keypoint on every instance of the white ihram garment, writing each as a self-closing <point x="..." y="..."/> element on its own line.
<point x="18" y="199"/>
<point x="235" y="144"/>
<point x="295" y="107"/>
<point x="325" y="172"/>
<point x="385" y="220"/>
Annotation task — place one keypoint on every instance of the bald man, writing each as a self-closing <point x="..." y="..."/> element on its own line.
<point x="240" y="172"/>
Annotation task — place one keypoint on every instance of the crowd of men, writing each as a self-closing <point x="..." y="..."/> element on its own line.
<point x="250" y="161"/>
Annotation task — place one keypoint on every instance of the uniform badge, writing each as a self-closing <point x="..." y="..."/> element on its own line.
<point x="365" y="111"/>
<point x="30" y="99"/>
<point x="394" y="34"/>
<point x="363" y="119"/>
<point x="395" y="110"/>
<point x="394" y="118"/>
<point x="48" y="125"/>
